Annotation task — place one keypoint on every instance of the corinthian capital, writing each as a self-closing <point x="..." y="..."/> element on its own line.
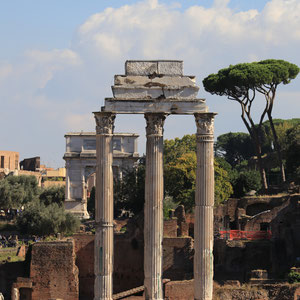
<point x="155" y="123"/>
<point x="205" y="123"/>
<point x="104" y="122"/>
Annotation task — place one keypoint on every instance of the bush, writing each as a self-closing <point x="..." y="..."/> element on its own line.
<point x="223" y="187"/>
<point x="246" y="181"/>
<point x="42" y="220"/>
<point x="294" y="277"/>
<point x="53" y="194"/>
<point x="168" y="205"/>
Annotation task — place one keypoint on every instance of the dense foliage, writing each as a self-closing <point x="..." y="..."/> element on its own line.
<point x="180" y="172"/>
<point x="43" y="220"/>
<point x="294" y="277"/>
<point x="53" y="194"/>
<point x="42" y="209"/>
<point x="293" y="153"/>
<point x="235" y="147"/>
<point x="17" y="191"/>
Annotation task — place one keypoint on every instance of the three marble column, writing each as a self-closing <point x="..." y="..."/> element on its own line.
<point x="153" y="220"/>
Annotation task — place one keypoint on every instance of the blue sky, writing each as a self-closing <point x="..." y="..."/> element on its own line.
<point x="58" y="58"/>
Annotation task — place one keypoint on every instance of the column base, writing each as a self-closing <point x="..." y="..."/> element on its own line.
<point x="104" y="282"/>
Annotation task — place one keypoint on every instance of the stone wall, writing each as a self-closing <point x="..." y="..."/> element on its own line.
<point x="233" y="260"/>
<point x="53" y="271"/>
<point x="129" y="261"/>
<point x="184" y="290"/>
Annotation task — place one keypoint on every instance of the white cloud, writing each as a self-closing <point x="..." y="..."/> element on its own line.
<point x="5" y="70"/>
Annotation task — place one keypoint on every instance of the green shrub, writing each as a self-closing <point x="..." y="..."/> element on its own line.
<point x="294" y="277"/>
<point x="168" y="205"/>
<point x="246" y="181"/>
<point x="42" y="220"/>
<point x="53" y="194"/>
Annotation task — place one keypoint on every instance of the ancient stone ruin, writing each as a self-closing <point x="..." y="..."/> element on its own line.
<point x="155" y="89"/>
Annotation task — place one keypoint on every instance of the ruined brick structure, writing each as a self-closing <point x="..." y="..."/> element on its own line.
<point x="53" y="273"/>
<point x="31" y="164"/>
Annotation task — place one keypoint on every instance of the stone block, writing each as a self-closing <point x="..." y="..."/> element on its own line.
<point x="185" y="107"/>
<point x="149" y="67"/>
<point x="140" y="67"/>
<point x="170" y="228"/>
<point x="179" y="290"/>
<point x="170" y="67"/>
<point x="163" y="81"/>
<point x="184" y="229"/>
<point x="141" y="93"/>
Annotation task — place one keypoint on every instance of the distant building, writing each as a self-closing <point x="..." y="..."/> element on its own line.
<point x="80" y="160"/>
<point x="31" y="164"/>
<point x="9" y="160"/>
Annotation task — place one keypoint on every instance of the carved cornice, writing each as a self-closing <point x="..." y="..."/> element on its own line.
<point x="104" y="122"/>
<point x="205" y="124"/>
<point x="155" y="123"/>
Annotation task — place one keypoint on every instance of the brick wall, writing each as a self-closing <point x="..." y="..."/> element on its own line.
<point x="53" y="271"/>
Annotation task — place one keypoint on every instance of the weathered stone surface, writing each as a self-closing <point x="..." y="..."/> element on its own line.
<point x="53" y="271"/>
<point x="170" y="67"/>
<point x="155" y="92"/>
<point x="154" y="194"/>
<point x="179" y="290"/>
<point x="140" y="67"/>
<point x="104" y="206"/>
<point x="204" y="202"/>
<point x="162" y="67"/>
<point x="149" y="81"/>
<point x="186" y="107"/>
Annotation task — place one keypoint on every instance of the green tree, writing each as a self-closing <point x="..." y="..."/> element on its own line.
<point x="292" y="155"/>
<point x="241" y="82"/>
<point x="174" y="148"/>
<point x="17" y="191"/>
<point x="180" y="180"/>
<point x="42" y="220"/>
<point x="53" y="194"/>
<point x="234" y="147"/>
<point x="129" y="193"/>
<point x="282" y="127"/>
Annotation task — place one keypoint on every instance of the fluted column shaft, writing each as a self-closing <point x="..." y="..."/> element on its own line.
<point x="154" y="193"/>
<point x="83" y="183"/>
<point x="67" y="193"/>
<point x="103" y="257"/>
<point x="204" y="205"/>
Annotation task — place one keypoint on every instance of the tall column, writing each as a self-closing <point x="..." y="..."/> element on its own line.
<point x="154" y="193"/>
<point x="103" y="259"/>
<point x="67" y="192"/>
<point x="204" y="205"/>
<point x="83" y="184"/>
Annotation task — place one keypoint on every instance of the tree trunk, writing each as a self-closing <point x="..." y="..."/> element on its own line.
<point x="261" y="168"/>
<point x="277" y="148"/>
<point x="254" y="133"/>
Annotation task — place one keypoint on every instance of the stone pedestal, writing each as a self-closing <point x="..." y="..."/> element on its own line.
<point x="104" y="207"/>
<point x="204" y="205"/>
<point x="154" y="193"/>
